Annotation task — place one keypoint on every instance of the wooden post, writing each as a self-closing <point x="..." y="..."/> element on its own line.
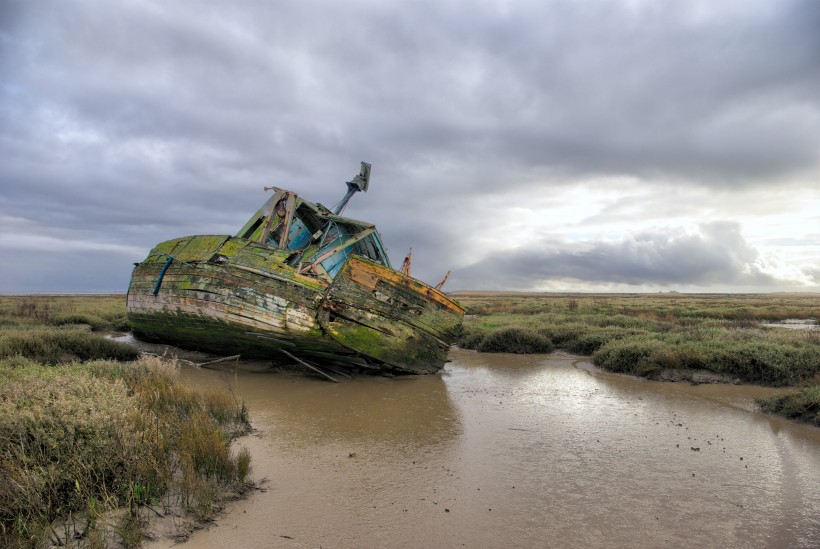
<point x="269" y="224"/>
<point x="443" y="280"/>
<point x="289" y="207"/>
<point x="405" y="266"/>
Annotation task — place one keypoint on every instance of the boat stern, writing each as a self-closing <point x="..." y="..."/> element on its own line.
<point x="390" y="317"/>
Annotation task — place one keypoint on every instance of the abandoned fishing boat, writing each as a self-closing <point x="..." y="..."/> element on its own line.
<point x="298" y="280"/>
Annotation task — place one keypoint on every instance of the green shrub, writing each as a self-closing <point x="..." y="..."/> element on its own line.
<point x="633" y="355"/>
<point x="766" y="362"/>
<point x="470" y="339"/>
<point x="644" y="333"/>
<point x="590" y="341"/>
<point x="725" y="352"/>
<point x="803" y="405"/>
<point x="515" y="340"/>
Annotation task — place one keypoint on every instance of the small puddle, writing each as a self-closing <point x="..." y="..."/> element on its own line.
<point x="793" y="324"/>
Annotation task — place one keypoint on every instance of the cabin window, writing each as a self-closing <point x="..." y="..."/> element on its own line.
<point x="367" y="249"/>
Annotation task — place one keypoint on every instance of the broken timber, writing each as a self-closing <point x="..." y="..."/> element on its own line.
<point x="300" y="280"/>
<point x="306" y="365"/>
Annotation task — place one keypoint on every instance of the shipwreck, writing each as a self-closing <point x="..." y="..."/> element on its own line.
<point x="297" y="281"/>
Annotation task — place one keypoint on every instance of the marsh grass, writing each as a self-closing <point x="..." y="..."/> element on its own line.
<point x="101" y="312"/>
<point x="644" y="334"/>
<point x="97" y="435"/>
<point x="80" y="436"/>
<point x="670" y="307"/>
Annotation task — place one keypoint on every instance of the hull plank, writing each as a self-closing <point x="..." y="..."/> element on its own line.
<point x="223" y="307"/>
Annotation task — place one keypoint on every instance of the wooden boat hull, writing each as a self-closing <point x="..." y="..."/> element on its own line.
<point x="230" y="295"/>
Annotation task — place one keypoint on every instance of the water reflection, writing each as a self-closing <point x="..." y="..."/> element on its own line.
<point x="413" y="411"/>
<point x="410" y="412"/>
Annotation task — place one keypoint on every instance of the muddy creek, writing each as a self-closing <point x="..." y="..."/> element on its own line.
<point x="516" y="451"/>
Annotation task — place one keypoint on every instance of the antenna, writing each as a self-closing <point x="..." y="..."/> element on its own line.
<point x="358" y="183"/>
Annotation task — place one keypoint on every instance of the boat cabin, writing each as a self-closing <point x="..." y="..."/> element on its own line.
<point x="320" y="241"/>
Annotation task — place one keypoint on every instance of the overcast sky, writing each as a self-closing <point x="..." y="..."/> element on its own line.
<point x="534" y="145"/>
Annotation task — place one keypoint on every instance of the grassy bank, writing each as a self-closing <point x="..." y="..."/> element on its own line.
<point x="649" y="334"/>
<point x="88" y="428"/>
<point x="804" y="405"/>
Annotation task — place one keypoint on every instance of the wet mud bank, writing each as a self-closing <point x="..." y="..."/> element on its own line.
<point x="693" y="377"/>
<point x="511" y="450"/>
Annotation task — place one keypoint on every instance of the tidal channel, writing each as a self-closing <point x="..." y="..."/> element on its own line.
<point x="515" y="451"/>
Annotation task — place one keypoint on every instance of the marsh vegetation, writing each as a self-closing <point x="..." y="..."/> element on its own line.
<point x="654" y="334"/>
<point x="95" y="437"/>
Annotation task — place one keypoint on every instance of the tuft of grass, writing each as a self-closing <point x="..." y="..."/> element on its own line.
<point x="243" y="465"/>
<point x="130" y="528"/>
<point x="630" y="356"/>
<point x="63" y="440"/>
<point x="120" y="325"/>
<point x="94" y="321"/>
<point x="515" y="340"/>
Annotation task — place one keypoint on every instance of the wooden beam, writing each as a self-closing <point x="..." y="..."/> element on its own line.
<point x="443" y="280"/>
<point x="289" y="207"/>
<point x="314" y="368"/>
<point x="223" y="359"/>
<point x="271" y="215"/>
<point x="349" y="242"/>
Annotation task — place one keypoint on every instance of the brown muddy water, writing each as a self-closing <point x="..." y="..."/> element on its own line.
<point x="516" y="451"/>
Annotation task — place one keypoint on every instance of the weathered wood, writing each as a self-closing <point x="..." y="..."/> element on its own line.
<point x="272" y="215"/>
<point x="337" y="371"/>
<point x="314" y="368"/>
<point x="443" y="280"/>
<point x="338" y="248"/>
<point x="223" y="359"/>
<point x="290" y="205"/>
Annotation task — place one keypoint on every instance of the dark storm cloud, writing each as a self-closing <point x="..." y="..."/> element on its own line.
<point x="126" y="123"/>
<point x="715" y="256"/>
